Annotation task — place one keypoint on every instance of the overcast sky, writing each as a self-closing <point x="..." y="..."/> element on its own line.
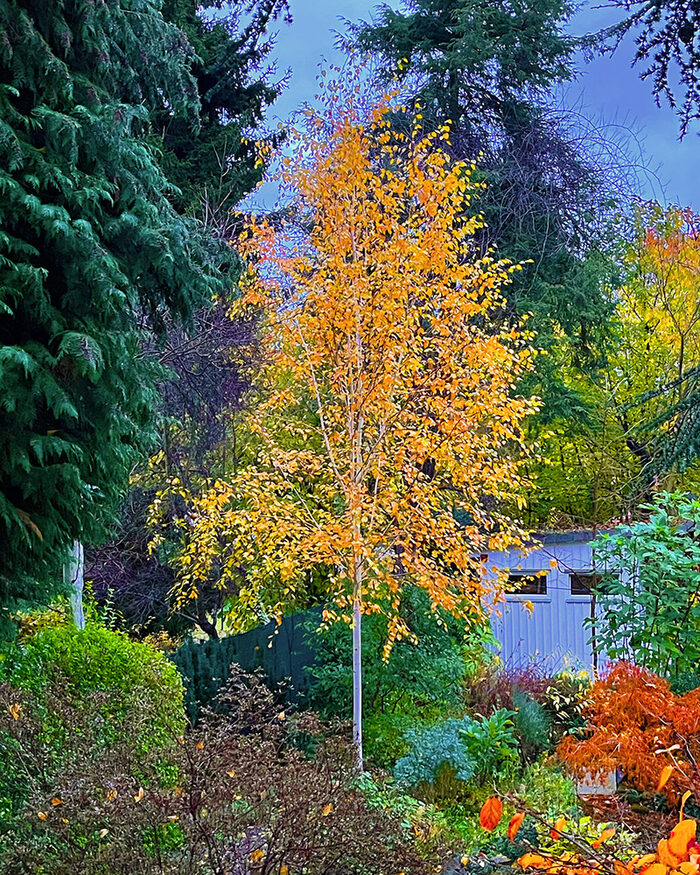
<point x="607" y="90"/>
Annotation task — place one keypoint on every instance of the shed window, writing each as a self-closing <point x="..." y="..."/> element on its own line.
<point x="584" y="583"/>
<point x="587" y="582"/>
<point x="527" y="584"/>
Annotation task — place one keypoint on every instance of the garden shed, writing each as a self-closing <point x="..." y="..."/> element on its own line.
<point x="548" y="597"/>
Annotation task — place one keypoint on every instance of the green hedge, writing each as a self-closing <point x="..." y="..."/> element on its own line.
<point x="282" y="652"/>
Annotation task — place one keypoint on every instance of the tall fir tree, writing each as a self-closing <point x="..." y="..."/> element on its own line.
<point x="213" y="162"/>
<point x="489" y="70"/>
<point x="93" y="259"/>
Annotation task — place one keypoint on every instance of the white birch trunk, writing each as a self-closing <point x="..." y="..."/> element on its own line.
<point x="73" y="571"/>
<point x="357" y="664"/>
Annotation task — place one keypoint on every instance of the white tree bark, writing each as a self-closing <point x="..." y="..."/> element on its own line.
<point x="73" y="571"/>
<point x="357" y="665"/>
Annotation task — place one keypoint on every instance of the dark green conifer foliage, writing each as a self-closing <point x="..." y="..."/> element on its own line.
<point x="214" y="164"/>
<point x="92" y="259"/>
<point x="489" y="68"/>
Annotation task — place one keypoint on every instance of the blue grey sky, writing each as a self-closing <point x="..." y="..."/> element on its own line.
<point x="608" y="91"/>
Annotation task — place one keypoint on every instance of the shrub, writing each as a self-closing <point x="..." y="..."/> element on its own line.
<point x="494" y="686"/>
<point x="458" y="750"/>
<point x="545" y="788"/>
<point x="564" y="699"/>
<point x="648" y="605"/>
<point x="546" y="708"/>
<point x="421" y="681"/>
<point x="78" y="687"/>
<point x="428" y="670"/>
<point x="246" y="799"/>
<point x="636" y="724"/>
<point x="96" y="659"/>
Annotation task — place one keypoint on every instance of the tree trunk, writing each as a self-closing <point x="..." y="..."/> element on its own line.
<point x="73" y="571"/>
<point x="357" y="662"/>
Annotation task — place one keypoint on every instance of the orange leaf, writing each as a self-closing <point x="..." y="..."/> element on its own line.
<point x="656" y="869"/>
<point x="688" y="868"/>
<point x="516" y="822"/>
<point x="664" y="855"/>
<point x="534" y="861"/>
<point x="15" y="710"/>
<point x="666" y="773"/>
<point x="559" y="827"/>
<point x="603" y="837"/>
<point x="491" y="813"/>
<point x="681" y="836"/>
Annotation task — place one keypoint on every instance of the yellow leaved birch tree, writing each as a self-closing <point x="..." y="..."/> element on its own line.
<point x="388" y="428"/>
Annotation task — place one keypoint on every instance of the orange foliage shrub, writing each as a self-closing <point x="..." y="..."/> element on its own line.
<point x="638" y="725"/>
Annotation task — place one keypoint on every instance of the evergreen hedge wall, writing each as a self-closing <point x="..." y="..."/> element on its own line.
<point x="282" y="652"/>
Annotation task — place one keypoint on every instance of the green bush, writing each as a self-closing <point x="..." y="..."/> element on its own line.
<point x="443" y="758"/>
<point x="97" y="659"/>
<point x="532" y="724"/>
<point x="648" y="610"/>
<point x="94" y="683"/>
<point x="546" y="789"/>
<point x="421" y="682"/>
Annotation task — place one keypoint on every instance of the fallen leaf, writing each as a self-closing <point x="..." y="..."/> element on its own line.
<point x="15" y="710"/>
<point x="559" y="828"/>
<point x="534" y="861"/>
<point x="664" y="854"/>
<point x="682" y="835"/>
<point x="666" y="773"/>
<point x="515" y="824"/>
<point x="56" y="801"/>
<point x="491" y="813"/>
<point x="327" y="809"/>
<point x="139" y="795"/>
<point x="42" y="815"/>
<point x="603" y="837"/>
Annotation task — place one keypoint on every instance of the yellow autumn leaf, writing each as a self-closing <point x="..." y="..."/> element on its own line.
<point x="666" y="773"/>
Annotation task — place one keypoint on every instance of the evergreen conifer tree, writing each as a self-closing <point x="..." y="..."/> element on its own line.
<point x="215" y="163"/>
<point x="93" y="258"/>
<point x="488" y="69"/>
